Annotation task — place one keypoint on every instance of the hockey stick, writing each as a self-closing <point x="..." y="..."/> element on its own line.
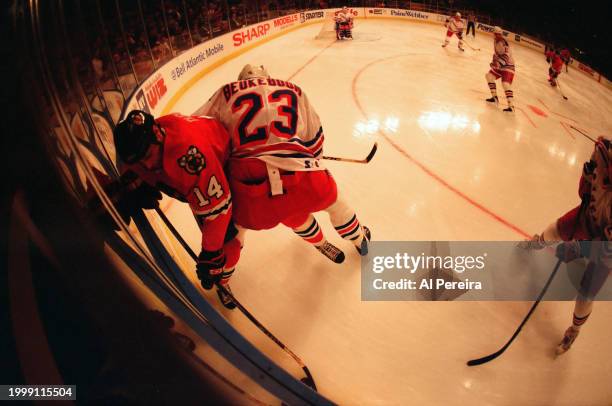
<point x="583" y="133"/>
<point x="308" y="380"/>
<point x="357" y="161"/>
<point x="471" y="47"/>
<point x="491" y="357"/>
<point x="560" y="91"/>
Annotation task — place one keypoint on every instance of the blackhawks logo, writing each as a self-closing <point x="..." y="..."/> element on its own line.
<point x="193" y="161"/>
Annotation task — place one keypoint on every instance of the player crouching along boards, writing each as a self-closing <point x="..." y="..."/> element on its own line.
<point x="275" y="172"/>
<point x="185" y="158"/>
<point x="590" y="221"/>
<point x="502" y="67"/>
<point x="454" y="25"/>
<point x="344" y="24"/>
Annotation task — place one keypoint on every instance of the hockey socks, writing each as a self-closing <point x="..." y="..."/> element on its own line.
<point x="310" y="231"/>
<point x="353" y="231"/>
<point x="571" y="333"/>
<point x="577" y="322"/>
<point x="493" y="89"/>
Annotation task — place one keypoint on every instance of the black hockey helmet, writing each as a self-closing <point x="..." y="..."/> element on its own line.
<point x="134" y="135"/>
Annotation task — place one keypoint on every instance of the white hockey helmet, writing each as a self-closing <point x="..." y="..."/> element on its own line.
<point x="497" y="30"/>
<point x="253" y="71"/>
<point x="344" y="8"/>
<point x="458" y="14"/>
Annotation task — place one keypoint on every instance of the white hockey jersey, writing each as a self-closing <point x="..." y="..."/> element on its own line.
<point x="271" y="120"/>
<point x="502" y="55"/>
<point x="342" y="17"/>
<point x="455" y="25"/>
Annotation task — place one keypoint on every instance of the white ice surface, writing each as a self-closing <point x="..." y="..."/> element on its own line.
<point x="449" y="167"/>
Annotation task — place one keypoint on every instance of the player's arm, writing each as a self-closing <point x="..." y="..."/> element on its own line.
<point x="212" y="107"/>
<point x="211" y="203"/>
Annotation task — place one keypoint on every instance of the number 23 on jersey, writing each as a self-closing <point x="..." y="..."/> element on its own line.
<point x="287" y="107"/>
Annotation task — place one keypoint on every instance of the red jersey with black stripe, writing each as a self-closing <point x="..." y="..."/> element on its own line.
<point x="194" y="153"/>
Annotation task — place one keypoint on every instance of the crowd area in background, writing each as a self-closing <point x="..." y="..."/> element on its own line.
<point x="155" y="31"/>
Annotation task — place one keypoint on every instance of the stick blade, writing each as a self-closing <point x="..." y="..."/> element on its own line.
<point x="308" y="380"/>
<point x="372" y="153"/>
<point x="483" y="360"/>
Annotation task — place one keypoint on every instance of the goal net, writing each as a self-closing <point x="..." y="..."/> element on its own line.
<point x="328" y="29"/>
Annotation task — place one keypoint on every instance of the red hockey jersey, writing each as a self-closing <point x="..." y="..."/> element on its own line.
<point x="195" y="150"/>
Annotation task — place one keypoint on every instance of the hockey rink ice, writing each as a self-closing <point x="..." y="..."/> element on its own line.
<point x="449" y="167"/>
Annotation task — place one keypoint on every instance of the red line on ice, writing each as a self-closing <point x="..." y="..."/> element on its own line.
<point x="527" y="116"/>
<point x="308" y="62"/>
<point x="421" y="166"/>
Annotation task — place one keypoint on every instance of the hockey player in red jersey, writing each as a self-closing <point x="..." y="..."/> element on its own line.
<point x="454" y="25"/>
<point x="566" y="57"/>
<point x="275" y="171"/>
<point x="549" y="54"/>
<point x="185" y="157"/>
<point x="554" y="70"/>
<point x="586" y="231"/>
<point x="502" y="66"/>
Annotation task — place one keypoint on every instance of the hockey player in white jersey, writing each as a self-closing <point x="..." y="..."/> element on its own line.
<point x="502" y="67"/>
<point x="454" y="25"/>
<point x="275" y="172"/>
<point x="585" y="231"/>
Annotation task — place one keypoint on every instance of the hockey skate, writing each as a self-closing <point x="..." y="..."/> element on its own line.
<point x="568" y="339"/>
<point x="363" y="248"/>
<point x="493" y="99"/>
<point x="461" y="49"/>
<point x="509" y="109"/>
<point x="226" y="300"/>
<point x="444" y="45"/>
<point x="332" y="252"/>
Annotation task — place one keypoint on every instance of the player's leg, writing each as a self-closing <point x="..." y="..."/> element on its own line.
<point x="308" y="228"/>
<point x="552" y="76"/>
<point x="491" y="77"/>
<point x="449" y="34"/>
<point x="582" y="311"/>
<point x="345" y="222"/>
<point x="594" y="278"/>
<point x="507" y="85"/>
<point x="460" y="44"/>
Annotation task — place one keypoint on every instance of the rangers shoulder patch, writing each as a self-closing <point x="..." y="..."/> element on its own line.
<point x="193" y="161"/>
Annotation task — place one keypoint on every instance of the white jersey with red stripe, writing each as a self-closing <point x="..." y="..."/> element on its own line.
<point x="271" y="120"/>
<point x="502" y="55"/>
<point x="455" y="25"/>
<point x="343" y="17"/>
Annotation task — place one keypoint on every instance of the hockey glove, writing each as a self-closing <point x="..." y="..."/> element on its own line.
<point x="143" y="197"/>
<point x="568" y="251"/>
<point x="210" y="267"/>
